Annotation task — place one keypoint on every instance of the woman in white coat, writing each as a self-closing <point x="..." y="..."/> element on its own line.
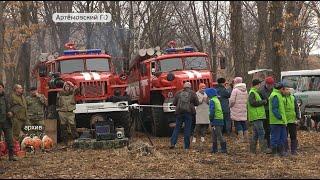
<point x="202" y="117"/>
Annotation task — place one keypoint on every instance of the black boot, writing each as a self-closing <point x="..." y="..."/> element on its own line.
<point x="282" y="151"/>
<point x="64" y="134"/>
<point x="223" y="147"/>
<point x="11" y="156"/>
<point x="274" y="151"/>
<point x="253" y="146"/>
<point x="214" y="147"/>
<point x="286" y="147"/>
<point x="294" y="145"/>
<point x="74" y="132"/>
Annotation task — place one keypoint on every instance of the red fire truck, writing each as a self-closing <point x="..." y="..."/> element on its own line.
<point x="93" y="73"/>
<point x="156" y="77"/>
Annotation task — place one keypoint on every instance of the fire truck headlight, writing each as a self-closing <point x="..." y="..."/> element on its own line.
<point x="172" y="107"/>
<point x="122" y="105"/>
<point x="123" y="77"/>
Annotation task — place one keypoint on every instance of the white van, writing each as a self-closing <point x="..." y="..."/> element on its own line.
<point x="306" y="88"/>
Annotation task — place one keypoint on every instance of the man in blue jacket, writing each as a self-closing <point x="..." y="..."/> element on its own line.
<point x="224" y="95"/>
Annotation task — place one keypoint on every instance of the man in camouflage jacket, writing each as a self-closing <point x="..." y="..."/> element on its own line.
<point x="18" y="106"/>
<point x="6" y="124"/>
<point x="36" y="107"/>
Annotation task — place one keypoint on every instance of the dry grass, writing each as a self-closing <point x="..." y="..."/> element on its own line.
<point x="167" y="163"/>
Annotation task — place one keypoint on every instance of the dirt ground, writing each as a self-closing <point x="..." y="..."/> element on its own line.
<point x="168" y="163"/>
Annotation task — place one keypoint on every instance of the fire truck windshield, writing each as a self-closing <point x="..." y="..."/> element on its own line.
<point x="97" y="64"/>
<point x="72" y="65"/>
<point x="171" y="64"/>
<point x="78" y="65"/>
<point x="195" y="63"/>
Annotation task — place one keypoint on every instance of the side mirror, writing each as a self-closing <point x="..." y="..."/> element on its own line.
<point x="42" y="70"/>
<point x="153" y="68"/>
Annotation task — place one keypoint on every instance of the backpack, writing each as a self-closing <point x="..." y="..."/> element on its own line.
<point x="184" y="102"/>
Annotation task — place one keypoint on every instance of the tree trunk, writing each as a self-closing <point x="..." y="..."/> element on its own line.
<point x="3" y="5"/>
<point x="23" y="64"/>
<point x="276" y="24"/>
<point x="262" y="20"/>
<point x="212" y="34"/>
<point x="237" y="40"/>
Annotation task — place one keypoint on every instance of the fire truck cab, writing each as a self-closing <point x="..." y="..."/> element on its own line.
<point x="93" y="73"/>
<point x="155" y="78"/>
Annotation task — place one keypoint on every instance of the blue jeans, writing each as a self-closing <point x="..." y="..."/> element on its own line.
<point x="258" y="130"/>
<point x="278" y="135"/>
<point x="217" y="134"/>
<point x="227" y="123"/>
<point x="241" y="125"/>
<point x="187" y="119"/>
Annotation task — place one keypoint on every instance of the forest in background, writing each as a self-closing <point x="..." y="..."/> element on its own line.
<point x="243" y="34"/>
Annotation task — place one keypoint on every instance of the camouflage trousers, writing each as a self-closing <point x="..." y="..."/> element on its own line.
<point x="8" y="136"/>
<point x="36" y="121"/>
<point x="18" y="125"/>
<point x="66" y="118"/>
<point x="67" y="126"/>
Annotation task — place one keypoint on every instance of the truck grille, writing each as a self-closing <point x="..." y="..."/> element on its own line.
<point x="93" y="89"/>
<point x="195" y="83"/>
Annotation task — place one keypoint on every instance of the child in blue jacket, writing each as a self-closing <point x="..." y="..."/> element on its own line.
<point x="216" y="121"/>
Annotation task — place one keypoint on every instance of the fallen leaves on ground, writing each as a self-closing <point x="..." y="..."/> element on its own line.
<point x="163" y="162"/>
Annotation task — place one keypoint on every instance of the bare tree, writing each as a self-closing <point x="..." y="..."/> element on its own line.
<point x="212" y="31"/>
<point x="277" y="25"/>
<point x="60" y="32"/>
<point x="3" y="5"/>
<point x="237" y="40"/>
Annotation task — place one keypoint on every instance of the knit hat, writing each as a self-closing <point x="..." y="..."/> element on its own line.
<point x="211" y="92"/>
<point x="202" y="85"/>
<point x="280" y="85"/>
<point x="187" y="85"/>
<point x="269" y="80"/>
<point x="221" y="80"/>
<point x="237" y="80"/>
<point x="256" y="82"/>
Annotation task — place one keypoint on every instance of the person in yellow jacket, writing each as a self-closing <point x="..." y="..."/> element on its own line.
<point x="292" y="114"/>
<point x="278" y="119"/>
<point x="256" y="116"/>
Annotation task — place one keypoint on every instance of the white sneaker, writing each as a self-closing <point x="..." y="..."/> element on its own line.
<point x="202" y="139"/>
<point x="194" y="139"/>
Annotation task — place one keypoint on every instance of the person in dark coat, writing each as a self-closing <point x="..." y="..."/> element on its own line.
<point x="224" y="95"/>
<point x="265" y="91"/>
<point x="185" y="102"/>
<point x="6" y="124"/>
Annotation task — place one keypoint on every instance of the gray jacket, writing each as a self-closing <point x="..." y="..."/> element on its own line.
<point x="193" y="100"/>
<point x="265" y="93"/>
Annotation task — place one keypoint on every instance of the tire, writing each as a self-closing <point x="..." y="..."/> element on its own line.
<point x="159" y="123"/>
<point x="136" y="126"/>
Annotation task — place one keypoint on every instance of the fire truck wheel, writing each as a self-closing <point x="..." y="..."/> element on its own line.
<point x="136" y="126"/>
<point x="159" y="124"/>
